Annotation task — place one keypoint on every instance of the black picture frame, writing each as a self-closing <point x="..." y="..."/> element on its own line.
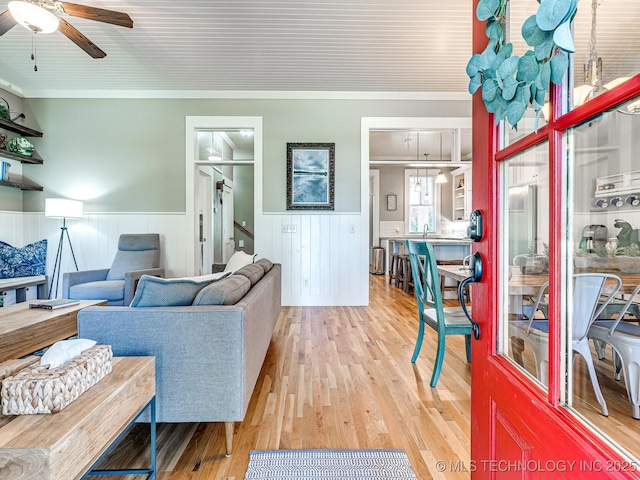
<point x="310" y="176"/>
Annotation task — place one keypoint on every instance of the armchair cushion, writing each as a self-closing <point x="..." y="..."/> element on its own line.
<point x="127" y="261"/>
<point x="136" y="251"/>
<point x="111" y="290"/>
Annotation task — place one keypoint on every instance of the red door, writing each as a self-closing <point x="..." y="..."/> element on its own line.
<point x="524" y="425"/>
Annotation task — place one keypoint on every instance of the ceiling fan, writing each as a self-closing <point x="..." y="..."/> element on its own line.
<point x="38" y="16"/>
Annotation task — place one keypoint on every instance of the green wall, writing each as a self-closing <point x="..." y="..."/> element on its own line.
<point x="127" y="155"/>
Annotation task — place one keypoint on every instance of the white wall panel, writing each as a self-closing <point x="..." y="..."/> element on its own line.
<point x="95" y="238"/>
<point x="323" y="261"/>
<point x="325" y="250"/>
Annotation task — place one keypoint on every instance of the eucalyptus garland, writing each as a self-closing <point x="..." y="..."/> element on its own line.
<point x="511" y="83"/>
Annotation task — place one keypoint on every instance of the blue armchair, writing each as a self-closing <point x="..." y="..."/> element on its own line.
<point x="138" y="254"/>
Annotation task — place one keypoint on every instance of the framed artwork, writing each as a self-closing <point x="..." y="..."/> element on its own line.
<point x="392" y="202"/>
<point x="310" y="176"/>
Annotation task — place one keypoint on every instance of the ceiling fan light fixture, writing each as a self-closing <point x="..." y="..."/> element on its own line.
<point x="33" y="17"/>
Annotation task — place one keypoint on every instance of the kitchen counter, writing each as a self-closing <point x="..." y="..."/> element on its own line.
<point x="435" y="239"/>
<point x="445" y="248"/>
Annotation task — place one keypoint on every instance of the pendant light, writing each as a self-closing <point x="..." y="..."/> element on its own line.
<point x="417" y="187"/>
<point x="441" y="177"/>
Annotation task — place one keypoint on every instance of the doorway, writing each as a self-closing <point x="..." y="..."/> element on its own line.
<point x="223" y="185"/>
<point x="373" y="160"/>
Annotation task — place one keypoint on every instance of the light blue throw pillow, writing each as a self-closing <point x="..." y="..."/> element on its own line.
<point x="23" y="262"/>
<point x="170" y="292"/>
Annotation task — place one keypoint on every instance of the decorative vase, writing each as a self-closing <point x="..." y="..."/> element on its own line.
<point x="21" y="146"/>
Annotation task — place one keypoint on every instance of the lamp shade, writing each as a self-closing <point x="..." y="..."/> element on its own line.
<point x="33" y="17"/>
<point x="441" y="177"/>
<point x="62" y="208"/>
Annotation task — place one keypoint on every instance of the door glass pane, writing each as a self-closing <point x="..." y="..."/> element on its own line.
<point x="519" y="11"/>
<point x="599" y="64"/>
<point x="522" y="335"/>
<point x="603" y="242"/>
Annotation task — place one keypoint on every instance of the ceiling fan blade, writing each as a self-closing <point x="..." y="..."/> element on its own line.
<point x="97" y="14"/>
<point x="73" y="34"/>
<point x="6" y="22"/>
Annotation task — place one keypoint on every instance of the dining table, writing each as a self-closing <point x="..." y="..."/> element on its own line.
<point x="527" y="285"/>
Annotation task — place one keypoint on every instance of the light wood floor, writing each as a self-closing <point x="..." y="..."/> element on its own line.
<point x="342" y="377"/>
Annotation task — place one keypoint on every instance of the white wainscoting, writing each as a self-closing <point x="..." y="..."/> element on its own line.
<point x="324" y="262"/>
<point x="95" y="238"/>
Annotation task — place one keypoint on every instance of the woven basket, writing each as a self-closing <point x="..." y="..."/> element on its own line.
<point x="40" y="390"/>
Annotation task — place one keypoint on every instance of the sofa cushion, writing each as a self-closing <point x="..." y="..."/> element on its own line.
<point x="266" y="264"/>
<point x="111" y="290"/>
<point x="27" y="261"/>
<point x="225" y="292"/>
<point x="238" y="260"/>
<point x="253" y="272"/>
<point x="170" y="292"/>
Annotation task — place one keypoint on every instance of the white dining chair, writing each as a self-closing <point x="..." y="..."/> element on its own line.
<point x="624" y="338"/>
<point x="589" y="301"/>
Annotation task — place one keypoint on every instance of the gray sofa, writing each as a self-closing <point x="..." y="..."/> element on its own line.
<point x="208" y="358"/>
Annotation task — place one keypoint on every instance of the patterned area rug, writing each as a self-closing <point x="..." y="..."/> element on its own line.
<point x="329" y="464"/>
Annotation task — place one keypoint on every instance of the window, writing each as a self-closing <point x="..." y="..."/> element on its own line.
<point x="420" y="200"/>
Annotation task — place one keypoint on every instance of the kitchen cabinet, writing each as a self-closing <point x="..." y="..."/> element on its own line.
<point x="16" y="181"/>
<point x="461" y="180"/>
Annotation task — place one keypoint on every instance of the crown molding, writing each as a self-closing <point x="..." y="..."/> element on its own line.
<point x="242" y="95"/>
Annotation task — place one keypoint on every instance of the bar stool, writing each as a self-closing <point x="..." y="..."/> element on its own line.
<point x="404" y="275"/>
<point x="394" y="252"/>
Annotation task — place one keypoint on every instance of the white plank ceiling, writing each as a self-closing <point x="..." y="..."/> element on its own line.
<point x="286" y="45"/>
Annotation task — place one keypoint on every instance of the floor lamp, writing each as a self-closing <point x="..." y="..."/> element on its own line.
<point x="62" y="208"/>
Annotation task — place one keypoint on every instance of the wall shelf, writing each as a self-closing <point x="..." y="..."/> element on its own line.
<point x="18" y="181"/>
<point x="21" y="185"/>
<point x="461" y="178"/>
<point x="17" y="128"/>
<point x="34" y="159"/>
<point x="623" y="183"/>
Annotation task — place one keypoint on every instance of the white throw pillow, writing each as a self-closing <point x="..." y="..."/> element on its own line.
<point x="65" y="350"/>
<point x="239" y="260"/>
<point x="206" y="278"/>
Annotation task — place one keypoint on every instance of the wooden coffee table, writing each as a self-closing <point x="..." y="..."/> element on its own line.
<point x="24" y="330"/>
<point x="66" y="445"/>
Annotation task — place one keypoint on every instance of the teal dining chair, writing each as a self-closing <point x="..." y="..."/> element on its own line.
<point x="444" y="320"/>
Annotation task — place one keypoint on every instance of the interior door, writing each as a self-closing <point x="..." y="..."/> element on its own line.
<point x="228" y="241"/>
<point x="203" y="210"/>
<point x="523" y="424"/>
